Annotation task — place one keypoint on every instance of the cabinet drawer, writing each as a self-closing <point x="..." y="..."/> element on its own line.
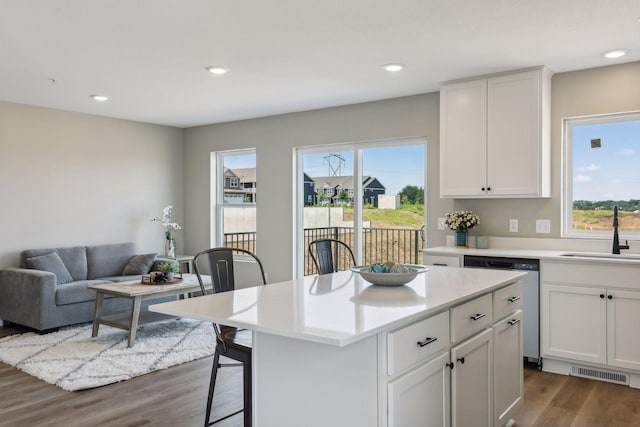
<point x="472" y="317"/>
<point x="443" y="260"/>
<point x="417" y="342"/>
<point x="507" y="300"/>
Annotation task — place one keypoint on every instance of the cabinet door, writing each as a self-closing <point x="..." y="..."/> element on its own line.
<point x="442" y="260"/>
<point x="573" y="323"/>
<point x="472" y="382"/>
<point x="507" y="366"/>
<point x="463" y="139"/>
<point x="623" y="336"/>
<point x="513" y="134"/>
<point x="421" y="396"/>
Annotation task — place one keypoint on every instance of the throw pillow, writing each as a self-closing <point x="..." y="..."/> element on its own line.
<point x="139" y="264"/>
<point x="53" y="263"/>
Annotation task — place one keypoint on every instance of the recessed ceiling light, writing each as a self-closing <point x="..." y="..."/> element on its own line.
<point x="216" y="69"/>
<point x="615" y="53"/>
<point x="99" y="98"/>
<point x="393" y="68"/>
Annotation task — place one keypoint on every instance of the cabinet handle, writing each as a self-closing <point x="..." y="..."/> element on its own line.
<point x="450" y="365"/>
<point x="442" y="264"/>
<point x="478" y="316"/>
<point x="513" y="299"/>
<point x="601" y="295"/>
<point x="610" y="296"/>
<point x="460" y="359"/>
<point x="488" y="188"/>
<point x="513" y="322"/>
<point x="427" y="341"/>
<point x="483" y="188"/>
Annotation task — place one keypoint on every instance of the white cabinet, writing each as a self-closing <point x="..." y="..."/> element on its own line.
<point x="590" y="313"/>
<point x="573" y="319"/>
<point x="418" y="367"/>
<point x="442" y="260"/>
<point x="421" y="397"/>
<point x="472" y="381"/>
<point x="507" y="367"/>
<point x="623" y="337"/>
<point x="494" y="136"/>
<point x="463" y="139"/>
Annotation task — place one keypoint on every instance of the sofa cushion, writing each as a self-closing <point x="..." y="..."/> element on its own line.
<point x="74" y="258"/>
<point x="108" y="260"/>
<point x="53" y="263"/>
<point x="139" y="264"/>
<point x="74" y="292"/>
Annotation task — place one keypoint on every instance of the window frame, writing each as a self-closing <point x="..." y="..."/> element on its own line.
<point x="219" y="205"/>
<point x="357" y="148"/>
<point x="566" y="202"/>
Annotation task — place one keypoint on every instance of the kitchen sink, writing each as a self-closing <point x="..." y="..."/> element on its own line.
<point x="601" y="256"/>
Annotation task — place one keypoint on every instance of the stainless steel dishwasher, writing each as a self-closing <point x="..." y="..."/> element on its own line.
<point x="531" y="293"/>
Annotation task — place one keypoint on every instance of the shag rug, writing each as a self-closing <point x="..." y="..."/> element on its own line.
<point x="71" y="359"/>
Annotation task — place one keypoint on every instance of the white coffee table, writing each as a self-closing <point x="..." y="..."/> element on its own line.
<point x="138" y="292"/>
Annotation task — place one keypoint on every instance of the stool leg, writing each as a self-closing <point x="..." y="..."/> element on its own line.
<point x="212" y="385"/>
<point x="246" y="379"/>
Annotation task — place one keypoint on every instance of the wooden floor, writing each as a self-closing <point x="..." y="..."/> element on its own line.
<point x="176" y="397"/>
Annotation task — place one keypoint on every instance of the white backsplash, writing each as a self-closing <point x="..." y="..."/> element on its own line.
<point x="578" y="245"/>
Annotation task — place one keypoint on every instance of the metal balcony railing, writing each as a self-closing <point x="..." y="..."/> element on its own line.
<point x="401" y="245"/>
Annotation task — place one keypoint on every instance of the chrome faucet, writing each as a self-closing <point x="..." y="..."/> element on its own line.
<point x="616" y="241"/>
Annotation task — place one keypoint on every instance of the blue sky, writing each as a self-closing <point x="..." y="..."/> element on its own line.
<point x="611" y="172"/>
<point x="395" y="167"/>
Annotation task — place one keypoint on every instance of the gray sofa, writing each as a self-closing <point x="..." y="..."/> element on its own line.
<point x="44" y="300"/>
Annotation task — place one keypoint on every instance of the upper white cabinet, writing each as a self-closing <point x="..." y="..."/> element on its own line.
<point x="494" y="136"/>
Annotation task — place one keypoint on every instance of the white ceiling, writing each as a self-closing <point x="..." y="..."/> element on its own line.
<point x="150" y="56"/>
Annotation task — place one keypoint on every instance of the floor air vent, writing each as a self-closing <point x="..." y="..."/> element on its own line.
<point x="600" y="374"/>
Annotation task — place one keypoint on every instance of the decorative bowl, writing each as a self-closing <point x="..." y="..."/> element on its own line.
<point x="389" y="279"/>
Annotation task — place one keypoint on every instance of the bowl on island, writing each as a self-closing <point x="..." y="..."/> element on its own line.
<point x="394" y="275"/>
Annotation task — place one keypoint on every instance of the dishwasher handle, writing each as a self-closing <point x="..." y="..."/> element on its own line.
<point x="500" y="264"/>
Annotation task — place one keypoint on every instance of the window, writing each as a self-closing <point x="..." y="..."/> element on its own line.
<point x="234" y="217"/>
<point x="343" y="192"/>
<point x="601" y="155"/>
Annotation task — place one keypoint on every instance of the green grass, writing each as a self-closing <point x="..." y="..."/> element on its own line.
<point x="408" y="216"/>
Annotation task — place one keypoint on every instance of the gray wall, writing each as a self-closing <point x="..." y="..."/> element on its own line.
<point x="72" y="179"/>
<point x="76" y="179"/>
<point x="580" y="93"/>
<point x="275" y="138"/>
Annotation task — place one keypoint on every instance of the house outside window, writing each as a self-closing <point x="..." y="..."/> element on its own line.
<point x="601" y="158"/>
<point x="234" y="216"/>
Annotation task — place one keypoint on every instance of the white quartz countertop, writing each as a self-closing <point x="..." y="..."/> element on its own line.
<point x="555" y="255"/>
<point x="340" y="308"/>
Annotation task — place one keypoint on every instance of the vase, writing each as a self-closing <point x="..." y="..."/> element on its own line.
<point x="170" y="248"/>
<point x="461" y="238"/>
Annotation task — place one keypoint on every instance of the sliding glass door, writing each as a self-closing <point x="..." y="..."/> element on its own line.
<point x="368" y="195"/>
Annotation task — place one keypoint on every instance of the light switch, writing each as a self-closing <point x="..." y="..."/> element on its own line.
<point x="513" y="225"/>
<point x="441" y="225"/>
<point x="543" y="226"/>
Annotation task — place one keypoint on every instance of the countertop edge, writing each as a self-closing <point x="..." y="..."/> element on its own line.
<point x="169" y="308"/>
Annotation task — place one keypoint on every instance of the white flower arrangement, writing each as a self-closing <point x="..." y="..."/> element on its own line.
<point x="166" y="222"/>
<point x="461" y="220"/>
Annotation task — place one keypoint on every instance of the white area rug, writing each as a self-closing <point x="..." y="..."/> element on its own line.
<point x="73" y="360"/>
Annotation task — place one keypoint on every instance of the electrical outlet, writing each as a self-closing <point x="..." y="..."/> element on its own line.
<point x="513" y="225"/>
<point x="543" y="226"/>
<point x="441" y="225"/>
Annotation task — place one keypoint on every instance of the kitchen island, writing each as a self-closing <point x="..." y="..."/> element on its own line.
<point x="336" y="350"/>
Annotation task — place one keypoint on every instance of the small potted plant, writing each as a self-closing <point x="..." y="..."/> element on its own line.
<point x="168" y="268"/>
<point x="461" y="222"/>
